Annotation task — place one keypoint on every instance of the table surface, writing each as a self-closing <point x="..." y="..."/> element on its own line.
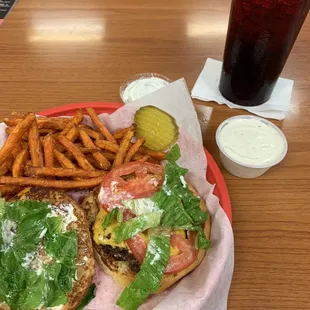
<point x="58" y="52"/>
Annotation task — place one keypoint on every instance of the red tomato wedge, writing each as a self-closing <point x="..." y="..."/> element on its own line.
<point x="144" y="179"/>
<point x="187" y="256"/>
<point x="177" y="263"/>
<point x="137" y="247"/>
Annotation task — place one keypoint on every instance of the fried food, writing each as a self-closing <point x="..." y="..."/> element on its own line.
<point x="101" y="160"/>
<point x="48" y="147"/>
<point x="64" y="172"/>
<point x="35" y="146"/>
<point x="71" y="184"/>
<point x="19" y="163"/>
<point x="91" y="112"/>
<point x="15" y="137"/>
<point x="64" y="150"/>
<point x="125" y="144"/>
<point x="78" y="155"/>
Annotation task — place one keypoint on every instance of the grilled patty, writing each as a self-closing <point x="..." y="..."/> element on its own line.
<point x="109" y="253"/>
<point x="121" y="254"/>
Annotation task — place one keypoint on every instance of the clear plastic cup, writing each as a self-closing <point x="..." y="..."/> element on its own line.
<point x="140" y="77"/>
<point x="242" y="169"/>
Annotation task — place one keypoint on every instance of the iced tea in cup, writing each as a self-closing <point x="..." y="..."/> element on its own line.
<point x="261" y="34"/>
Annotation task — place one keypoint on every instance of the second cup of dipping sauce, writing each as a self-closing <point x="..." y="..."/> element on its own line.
<point x="250" y="145"/>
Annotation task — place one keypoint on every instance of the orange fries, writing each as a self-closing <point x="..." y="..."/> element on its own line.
<point x="19" y="163"/>
<point x="80" y="158"/>
<point x="65" y="153"/>
<point x="74" y="121"/>
<point x="64" y="161"/>
<point x="107" y="145"/>
<point x="101" y="160"/>
<point x="64" y="172"/>
<point x="125" y="144"/>
<point x="15" y="137"/>
<point x="100" y="125"/>
<point x="35" y="147"/>
<point x="134" y="149"/>
<point x="63" y="184"/>
<point x="119" y="134"/>
<point x="48" y="147"/>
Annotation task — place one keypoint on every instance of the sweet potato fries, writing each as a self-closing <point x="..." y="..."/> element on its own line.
<point x="64" y="152"/>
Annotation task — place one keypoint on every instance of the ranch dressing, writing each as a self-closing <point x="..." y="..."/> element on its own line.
<point x="250" y="141"/>
<point x="142" y="87"/>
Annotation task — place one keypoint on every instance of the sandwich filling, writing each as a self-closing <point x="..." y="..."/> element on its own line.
<point x="37" y="254"/>
<point x="150" y="220"/>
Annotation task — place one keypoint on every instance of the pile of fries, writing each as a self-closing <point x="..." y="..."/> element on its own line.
<point x="65" y="153"/>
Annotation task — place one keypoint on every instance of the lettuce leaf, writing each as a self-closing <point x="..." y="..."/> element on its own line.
<point x="90" y="295"/>
<point x="174" y="154"/>
<point x="136" y="225"/>
<point x="174" y="215"/>
<point x="140" y="206"/>
<point x="175" y="184"/>
<point x="201" y="241"/>
<point x="2" y="207"/>
<point x="109" y="218"/>
<point x="151" y="272"/>
<point x="181" y="206"/>
<point x="30" y="227"/>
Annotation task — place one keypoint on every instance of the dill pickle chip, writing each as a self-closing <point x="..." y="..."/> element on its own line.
<point x="158" y="128"/>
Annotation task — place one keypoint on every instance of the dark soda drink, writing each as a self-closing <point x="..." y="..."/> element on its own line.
<point x="261" y="34"/>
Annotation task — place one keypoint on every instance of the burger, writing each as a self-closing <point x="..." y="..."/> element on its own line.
<point x="149" y="227"/>
<point x="46" y="253"/>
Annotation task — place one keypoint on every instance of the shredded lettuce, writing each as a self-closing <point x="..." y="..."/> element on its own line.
<point x="174" y="154"/>
<point x="28" y="279"/>
<point x="174" y="215"/>
<point x="109" y="218"/>
<point x="151" y="272"/>
<point x="120" y="216"/>
<point x="140" y="206"/>
<point x="136" y="225"/>
<point x="2" y="207"/>
<point x="176" y="186"/>
<point x="201" y="241"/>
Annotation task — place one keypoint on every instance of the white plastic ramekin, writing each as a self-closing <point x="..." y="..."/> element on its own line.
<point x="136" y="77"/>
<point x="244" y="170"/>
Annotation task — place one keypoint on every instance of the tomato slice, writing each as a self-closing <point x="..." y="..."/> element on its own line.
<point x="176" y="263"/>
<point x="138" y="247"/>
<point x="187" y="257"/>
<point x="144" y="180"/>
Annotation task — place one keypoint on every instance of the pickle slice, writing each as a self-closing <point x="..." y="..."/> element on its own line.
<point x="158" y="128"/>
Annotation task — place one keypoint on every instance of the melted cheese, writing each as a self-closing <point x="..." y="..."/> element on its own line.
<point x="100" y="235"/>
<point x="173" y="250"/>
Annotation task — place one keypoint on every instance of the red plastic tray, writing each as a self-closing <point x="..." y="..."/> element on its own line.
<point x="214" y="175"/>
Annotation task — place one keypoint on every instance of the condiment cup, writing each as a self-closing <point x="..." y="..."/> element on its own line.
<point x="136" y="77"/>
<point x="239" y="168"/>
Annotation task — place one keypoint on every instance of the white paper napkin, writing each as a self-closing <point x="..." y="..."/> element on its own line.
<point x="206" y="88"/>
